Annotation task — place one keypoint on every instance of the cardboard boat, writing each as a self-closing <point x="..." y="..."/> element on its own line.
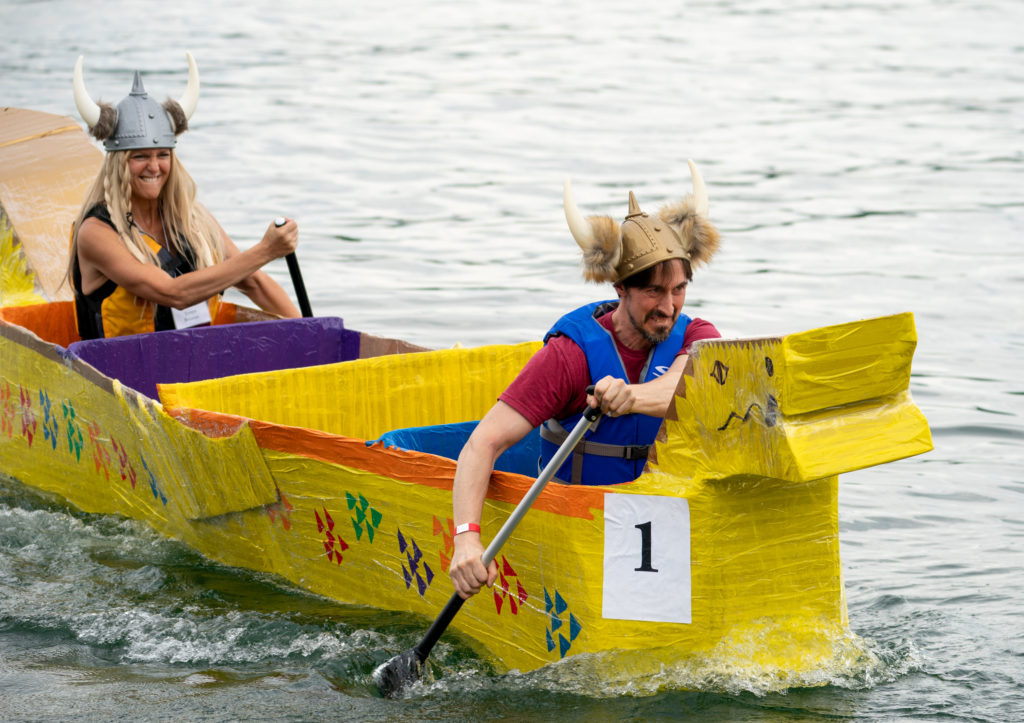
<point x="326" y="456"/>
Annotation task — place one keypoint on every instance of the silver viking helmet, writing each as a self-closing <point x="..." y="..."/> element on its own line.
<point x="612" y="252"/>
<point x="138" y="121"/>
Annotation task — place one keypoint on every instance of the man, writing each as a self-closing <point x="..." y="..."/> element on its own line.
<point x="633" y="350"/>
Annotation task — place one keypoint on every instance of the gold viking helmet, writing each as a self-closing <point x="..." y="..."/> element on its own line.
<point x="612" y="252"/>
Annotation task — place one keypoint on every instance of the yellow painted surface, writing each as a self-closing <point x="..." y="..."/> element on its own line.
<point x="799" y="407"/>
<point x="17" y="281"/>
<point x="367" y="397"/>
<point x="107" y="449"/>
<point x="371" y="525"/>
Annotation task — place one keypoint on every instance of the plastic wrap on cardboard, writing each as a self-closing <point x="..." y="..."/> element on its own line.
<point x="46" y="166"/>
<point x="724" y="551"/>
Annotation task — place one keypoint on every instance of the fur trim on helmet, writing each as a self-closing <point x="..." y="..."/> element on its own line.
<point x="179" y="121"/>
<point x="107" y="123"/>
<point x="699" y="236"/>
<point x="600" y="260"/>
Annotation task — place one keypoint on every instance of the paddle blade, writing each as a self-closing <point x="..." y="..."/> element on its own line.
<point x="402" y="670"/>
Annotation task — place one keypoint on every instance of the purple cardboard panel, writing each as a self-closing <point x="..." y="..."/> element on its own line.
<point x="188" y="355"/>
<point x="349" y="345"/>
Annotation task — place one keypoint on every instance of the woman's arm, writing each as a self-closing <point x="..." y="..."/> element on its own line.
<point x="261" y="289"/>
<point x="102" y="256"/>
<point x="267" y="294"/>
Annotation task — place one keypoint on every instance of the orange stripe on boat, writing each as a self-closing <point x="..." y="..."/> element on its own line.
<point x="406" y="466"/>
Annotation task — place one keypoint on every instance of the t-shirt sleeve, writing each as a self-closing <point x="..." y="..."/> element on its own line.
<point x="696" y="330"/>
<point x="552" y="384"/>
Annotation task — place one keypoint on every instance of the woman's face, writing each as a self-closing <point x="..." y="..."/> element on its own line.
<point x="149" y="169"/>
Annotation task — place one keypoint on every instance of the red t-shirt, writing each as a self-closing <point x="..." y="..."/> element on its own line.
<point x="553" y="383"/>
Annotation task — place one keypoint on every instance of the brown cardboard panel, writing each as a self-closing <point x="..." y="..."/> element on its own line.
<point x="46" y="165"/>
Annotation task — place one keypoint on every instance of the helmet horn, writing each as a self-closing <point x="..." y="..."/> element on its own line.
<point x="190" y="99"/>
<point x="578" y="226"/>
<point x="87" y="107"/>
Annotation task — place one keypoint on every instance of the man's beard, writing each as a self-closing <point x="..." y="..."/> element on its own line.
<point x="652" y="338"/>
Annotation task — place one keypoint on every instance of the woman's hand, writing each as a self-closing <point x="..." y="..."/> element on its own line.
<point x="281" y="240"/>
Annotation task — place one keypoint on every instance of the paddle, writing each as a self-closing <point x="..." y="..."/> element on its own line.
<point x="405" y="668"/>
<point x="293" y="269"/>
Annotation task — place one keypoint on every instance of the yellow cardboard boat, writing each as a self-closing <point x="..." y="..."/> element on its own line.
<point x="332" y="468"/>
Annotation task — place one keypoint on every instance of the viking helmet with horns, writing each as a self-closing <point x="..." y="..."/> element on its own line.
<point x="612" y="252"/>
<point x="138" y="121"/>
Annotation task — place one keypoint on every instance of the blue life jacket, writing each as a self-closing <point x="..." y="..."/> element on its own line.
<point x="616" y="449"/>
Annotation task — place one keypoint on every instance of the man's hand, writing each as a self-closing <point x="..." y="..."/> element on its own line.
<point x="467" y="570"/>
<point x="613" y="396"/>
<point x="653" y="398"/>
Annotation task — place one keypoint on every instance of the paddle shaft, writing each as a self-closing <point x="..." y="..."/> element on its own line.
<point x="296" y="274"/>
<point x="300" y="288"/>
<point x="455" y="602"/>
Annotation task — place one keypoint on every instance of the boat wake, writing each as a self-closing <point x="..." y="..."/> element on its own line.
<point x="732" y="668"/>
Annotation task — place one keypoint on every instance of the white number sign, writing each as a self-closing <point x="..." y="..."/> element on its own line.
<point x="646" y="558"/>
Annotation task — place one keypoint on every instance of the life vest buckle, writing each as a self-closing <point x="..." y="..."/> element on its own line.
<point x="639" y="451"/>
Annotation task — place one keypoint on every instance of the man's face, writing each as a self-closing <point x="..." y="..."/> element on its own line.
<point x="653" y="309"/>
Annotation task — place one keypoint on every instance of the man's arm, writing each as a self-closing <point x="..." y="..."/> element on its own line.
<point x="653" y="398"/>
<point x="500" y="428"/>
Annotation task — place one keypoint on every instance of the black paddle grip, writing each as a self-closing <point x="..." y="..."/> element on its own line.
<point x="296" y="274"/>
<point x="592" y="413"/>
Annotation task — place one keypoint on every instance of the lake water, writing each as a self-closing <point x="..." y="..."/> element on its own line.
<point x="862" y="158"/>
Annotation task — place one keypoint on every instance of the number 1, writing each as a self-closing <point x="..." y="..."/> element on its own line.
<point x="645" y="548"/>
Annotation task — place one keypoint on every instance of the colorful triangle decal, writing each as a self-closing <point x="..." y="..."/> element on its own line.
<point x="574" y="627"/>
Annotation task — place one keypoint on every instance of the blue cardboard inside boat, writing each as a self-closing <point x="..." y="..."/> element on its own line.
<point x="446" y="440"/>
<point x="189" y="355"/>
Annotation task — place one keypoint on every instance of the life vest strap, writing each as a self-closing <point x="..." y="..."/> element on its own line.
<point x="552" y="431"/>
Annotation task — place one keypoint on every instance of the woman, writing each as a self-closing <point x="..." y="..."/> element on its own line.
<point x="145" y="255"/>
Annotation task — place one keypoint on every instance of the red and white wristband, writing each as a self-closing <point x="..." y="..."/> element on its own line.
<point x="467" y="527"/>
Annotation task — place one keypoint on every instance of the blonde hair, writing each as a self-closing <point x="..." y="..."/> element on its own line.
<point x="186" y="221"/>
